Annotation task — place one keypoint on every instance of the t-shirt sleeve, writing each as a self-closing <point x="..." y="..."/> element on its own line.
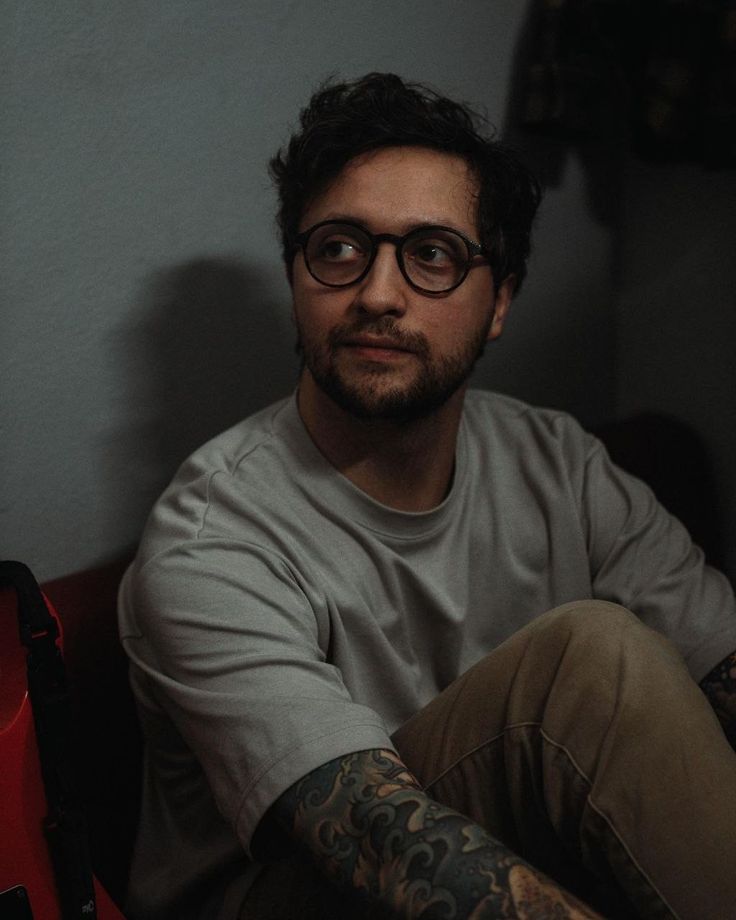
<point x="233" y="651"/>
<point x="642" y="557"/>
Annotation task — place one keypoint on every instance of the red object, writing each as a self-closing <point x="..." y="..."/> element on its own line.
<point x="24" y="855"/>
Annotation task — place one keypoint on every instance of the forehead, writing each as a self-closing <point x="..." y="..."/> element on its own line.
<point x="396" y="188"/>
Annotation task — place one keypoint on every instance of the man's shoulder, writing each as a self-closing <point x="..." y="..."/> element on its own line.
<point x="228" y="481"/>
<point x="516" y="442"/>
<point x="229" y="449"/>
<point x="487" y="411"/>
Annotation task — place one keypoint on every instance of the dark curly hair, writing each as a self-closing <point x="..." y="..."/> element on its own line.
<point x="381" y="110"/>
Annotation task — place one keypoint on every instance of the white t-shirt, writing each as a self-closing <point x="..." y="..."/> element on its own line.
<point x="277" y="617"/>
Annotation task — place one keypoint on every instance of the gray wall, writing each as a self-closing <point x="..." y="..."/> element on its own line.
<point x="144" y="306"/>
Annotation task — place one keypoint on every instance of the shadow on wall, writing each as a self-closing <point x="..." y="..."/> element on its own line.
<point x="551" y="114"/>
<point x="586" y="82"/>
<point x="678" y="466"/>
<point x="210" y="347"/>
<point x="558" y="347"/>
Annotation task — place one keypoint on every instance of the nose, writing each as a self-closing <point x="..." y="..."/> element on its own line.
<point x="384" y="289"/>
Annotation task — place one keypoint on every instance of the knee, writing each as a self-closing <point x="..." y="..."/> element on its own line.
<point x="601" y="618"/>
<point x="601" y="633"/>
<point x="599" y="666"/>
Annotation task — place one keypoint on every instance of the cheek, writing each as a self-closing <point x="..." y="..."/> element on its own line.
<point x="316" y="310"/>
<point x="300" y="279"/>
<point x="303" y="293"/>
<point x="465" y="317"/>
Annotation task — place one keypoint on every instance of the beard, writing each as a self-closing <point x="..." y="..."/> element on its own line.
<point x="367" y="393"/>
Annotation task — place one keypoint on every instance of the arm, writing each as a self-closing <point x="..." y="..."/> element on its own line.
<point x="370" y="827"/>
<point x="720" y="688"/>
<point x="643" y="558"/>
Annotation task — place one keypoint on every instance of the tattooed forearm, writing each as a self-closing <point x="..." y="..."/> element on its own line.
<point x="720" y="688"/>
<point x="371" y="828"/>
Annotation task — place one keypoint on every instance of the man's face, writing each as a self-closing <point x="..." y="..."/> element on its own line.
<point x="379" y="348"/>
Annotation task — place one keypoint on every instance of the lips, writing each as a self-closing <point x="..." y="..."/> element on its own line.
<point x="384" y="343"/>
<point x="380" y="342"/>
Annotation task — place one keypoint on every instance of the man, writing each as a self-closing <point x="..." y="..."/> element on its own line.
<point x="353" y="696"/>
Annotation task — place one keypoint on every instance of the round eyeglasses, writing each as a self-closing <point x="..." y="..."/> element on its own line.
<point x="432" y="259"/>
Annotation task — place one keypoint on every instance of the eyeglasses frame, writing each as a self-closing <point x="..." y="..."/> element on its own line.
<point x="474" y="250"/>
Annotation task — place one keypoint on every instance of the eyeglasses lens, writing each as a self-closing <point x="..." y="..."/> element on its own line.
<point x="338" y="253"/>
<point x="435" y="260"/>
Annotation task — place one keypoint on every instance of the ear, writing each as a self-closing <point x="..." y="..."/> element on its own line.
<point x="501" y="306"/>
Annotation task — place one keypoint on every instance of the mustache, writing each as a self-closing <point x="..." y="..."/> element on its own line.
<point x="385" y="327"/>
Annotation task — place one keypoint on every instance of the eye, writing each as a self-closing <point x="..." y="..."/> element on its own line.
<point x="338" y="244"/>
<point x="336" y="249"/>
<point x="437" y="251"/>
<point x="431" y="253"/>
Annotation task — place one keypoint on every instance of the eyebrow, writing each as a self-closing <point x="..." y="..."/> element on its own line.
<point x="405" y="228"/>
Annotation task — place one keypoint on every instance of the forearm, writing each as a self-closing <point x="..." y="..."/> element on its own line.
<point x="370" y="827"/>
<point x="720" y="688"/>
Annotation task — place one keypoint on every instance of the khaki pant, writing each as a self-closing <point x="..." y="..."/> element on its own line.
<point x="584" y="745"/>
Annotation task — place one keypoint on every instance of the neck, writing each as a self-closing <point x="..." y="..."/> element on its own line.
<point x="405" y="465"/>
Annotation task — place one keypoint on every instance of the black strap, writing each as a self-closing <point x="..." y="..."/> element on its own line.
<point x="65" y="825"/>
